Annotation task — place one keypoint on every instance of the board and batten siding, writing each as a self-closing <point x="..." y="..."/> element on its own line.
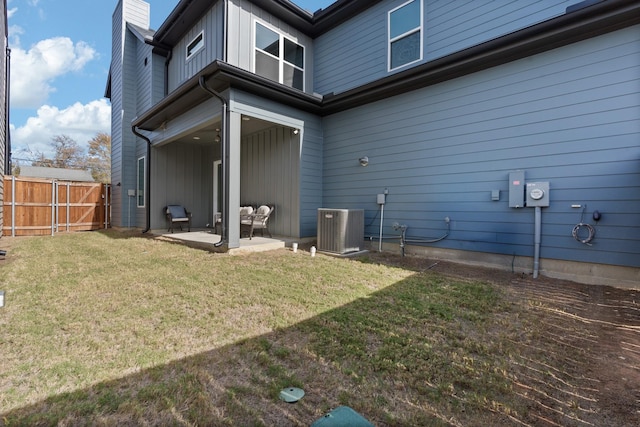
<point x="182" y="173"/>
<point x="305" y="157"/>
<point x="570" y="116"/>
<point x="129" y="142"/>
<point x="241" y="34"/>
<point x="144" y="76"/>
<point x="355" y="52"/>
<point x="211" y="25"/>
<point x="269" y="174"/>
<point x="124" y="54"/>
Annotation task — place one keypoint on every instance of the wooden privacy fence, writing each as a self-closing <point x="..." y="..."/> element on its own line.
<point x="36" y="207"/>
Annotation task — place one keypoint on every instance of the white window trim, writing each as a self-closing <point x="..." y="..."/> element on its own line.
<point x="189" y="55"/>
<point x="418" y="29"/>
<point x="281" y="60"/>
<point x="144" y="181"/>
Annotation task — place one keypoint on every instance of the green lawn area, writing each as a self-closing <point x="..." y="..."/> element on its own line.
<point x="104" y="328"/>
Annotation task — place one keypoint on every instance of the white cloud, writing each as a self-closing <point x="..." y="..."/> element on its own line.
<point x="15" y="31"/>
<point x="11" y="12"/>
<point x="79" y="122"/>
<point x="33" y="71"/>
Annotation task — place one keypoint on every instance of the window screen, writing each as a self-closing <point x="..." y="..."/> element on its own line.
<point x="405" y="34"/>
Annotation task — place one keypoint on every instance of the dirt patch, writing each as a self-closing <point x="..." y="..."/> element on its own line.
<point x="581" y="364"/>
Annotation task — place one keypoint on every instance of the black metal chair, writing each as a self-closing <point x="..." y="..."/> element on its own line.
<point x="177" y="214"/>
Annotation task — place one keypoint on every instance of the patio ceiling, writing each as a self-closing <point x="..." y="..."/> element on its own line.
<point x="208" y="134"/>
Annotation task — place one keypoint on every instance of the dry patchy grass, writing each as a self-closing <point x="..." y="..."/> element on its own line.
<point x="111" y="328"/>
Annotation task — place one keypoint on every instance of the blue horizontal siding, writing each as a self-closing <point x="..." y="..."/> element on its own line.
<point x="570" y="116"/>
<point x="355" y="53"/>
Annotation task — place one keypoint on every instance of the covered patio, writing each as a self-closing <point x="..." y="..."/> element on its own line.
<point x="205" y="238"/>
<point x="214" y="148"/>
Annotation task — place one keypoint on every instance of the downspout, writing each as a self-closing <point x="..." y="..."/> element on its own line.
<point x="147" y="191"/>
<point x="224" y="143"/>
<point x="223" y="157"/>
<point x="166" y="72"/>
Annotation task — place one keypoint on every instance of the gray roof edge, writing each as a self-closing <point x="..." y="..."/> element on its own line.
<point x="568" y="28"/>
<point x="56" y="173"/>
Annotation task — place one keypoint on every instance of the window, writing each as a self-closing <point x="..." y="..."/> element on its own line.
<point x="278" y="58"/>
<point x="195" y="45"/>
<point x="405" y="34"/>
<point x="140" y="183"/>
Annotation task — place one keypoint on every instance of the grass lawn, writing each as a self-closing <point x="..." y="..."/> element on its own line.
<point x="104" y="328"/>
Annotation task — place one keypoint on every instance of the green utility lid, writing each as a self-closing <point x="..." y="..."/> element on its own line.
<point x="291" y="394"/>
<point x="342" y="416"/>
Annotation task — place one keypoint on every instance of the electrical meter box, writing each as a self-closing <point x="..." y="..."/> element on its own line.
<point x="537" y="194"/>
<point x="516" y="189"/>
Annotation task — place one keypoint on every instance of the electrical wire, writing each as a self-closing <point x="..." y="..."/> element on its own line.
<point x="591" y="232"/>
<point x="373" y="219"/>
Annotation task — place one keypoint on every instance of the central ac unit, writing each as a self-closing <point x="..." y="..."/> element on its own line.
<point x="340" y="230"/>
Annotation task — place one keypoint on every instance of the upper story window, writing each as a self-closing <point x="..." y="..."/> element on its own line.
<point x="278" y="58"/>
<point x="196" y="44"/>
<point x="405" y="34"/>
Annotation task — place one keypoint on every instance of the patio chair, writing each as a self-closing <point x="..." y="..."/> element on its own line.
<point x="177" y="214"/>
<point x="258" y="221"/>
<point x="246" y="216"/>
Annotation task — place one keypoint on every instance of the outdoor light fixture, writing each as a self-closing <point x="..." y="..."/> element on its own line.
<point x="364" y="161"/>
<point x="296" y="131"/>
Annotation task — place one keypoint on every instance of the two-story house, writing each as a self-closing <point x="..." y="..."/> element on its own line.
<point x="456" y="110"/>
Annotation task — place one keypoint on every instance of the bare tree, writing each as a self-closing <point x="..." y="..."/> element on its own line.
<point x="66" y="154"/>
<point x="99" y="158"/>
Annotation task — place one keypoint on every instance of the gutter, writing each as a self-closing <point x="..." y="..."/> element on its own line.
<point x="597" y="19"/>
<point x="590" y="21"/>
<point x="147" y="191"/>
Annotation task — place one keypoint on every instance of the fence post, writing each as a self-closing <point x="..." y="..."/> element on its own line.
<point x="68" y="207"/>
<point x="106" y="206"/>
<point x="13" y="206"/>
<point x="53" y="207"/>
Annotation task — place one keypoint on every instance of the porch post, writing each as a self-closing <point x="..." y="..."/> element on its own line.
<point x="233" y="181"/>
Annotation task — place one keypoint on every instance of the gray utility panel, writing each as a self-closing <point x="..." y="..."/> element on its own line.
<point x="537" y="194"/>
<point x="516" y="189"/>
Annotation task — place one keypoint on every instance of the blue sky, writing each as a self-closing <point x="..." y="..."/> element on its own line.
<point x="60" y="55"/>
